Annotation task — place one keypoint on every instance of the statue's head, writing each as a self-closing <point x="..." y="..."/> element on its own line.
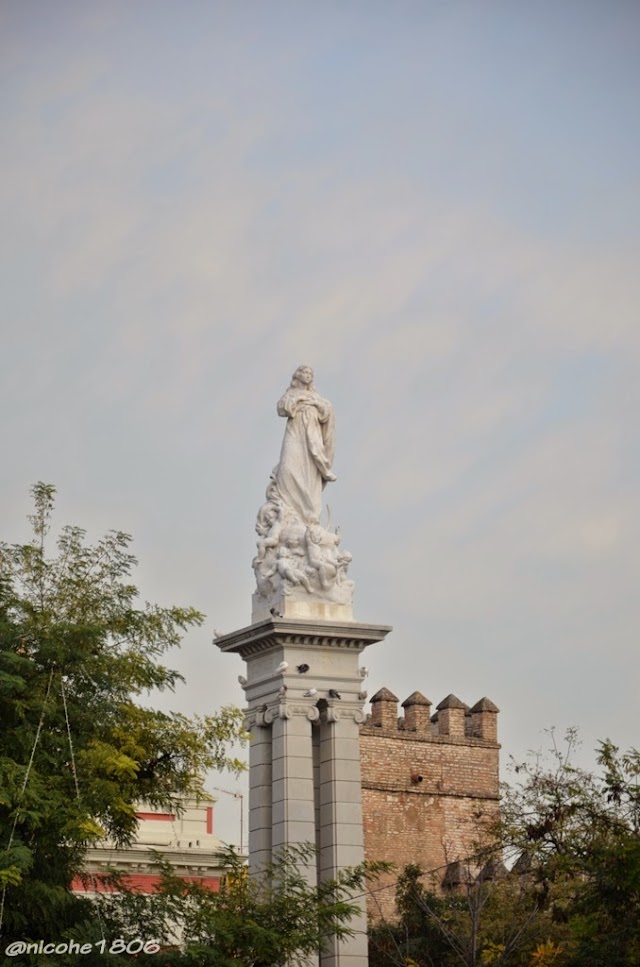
<point x="303" y="376"/>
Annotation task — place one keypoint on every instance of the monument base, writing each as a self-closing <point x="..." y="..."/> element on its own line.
<point x="305" y="697"/>
<point x="298" y="604"/>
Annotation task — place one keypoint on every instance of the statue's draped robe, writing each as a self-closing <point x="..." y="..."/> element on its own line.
<point x="307" y="452"/>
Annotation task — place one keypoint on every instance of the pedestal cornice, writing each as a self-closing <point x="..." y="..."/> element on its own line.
<point x="263" y="635"/>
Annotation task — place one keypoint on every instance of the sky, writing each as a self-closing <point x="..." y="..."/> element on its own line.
<point x="437" y="206"/>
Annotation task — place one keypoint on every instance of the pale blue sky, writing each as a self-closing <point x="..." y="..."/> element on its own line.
<point x="434" y="204"/>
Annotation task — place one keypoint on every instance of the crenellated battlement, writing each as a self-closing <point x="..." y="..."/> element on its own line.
<point x="453" y="720"/>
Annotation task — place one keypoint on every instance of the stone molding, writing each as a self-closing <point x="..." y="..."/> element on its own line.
<point x="276" y="632"/>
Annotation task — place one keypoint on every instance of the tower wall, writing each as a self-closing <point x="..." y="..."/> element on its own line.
<point x="426" y="797"/>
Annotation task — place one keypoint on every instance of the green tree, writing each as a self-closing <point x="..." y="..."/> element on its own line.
<point x="266" y="920"/>
<point x="78" y="748"/>
<point x="578" y="833"/>
<point x="415" y="937"/>
<point x="488" y="920"/>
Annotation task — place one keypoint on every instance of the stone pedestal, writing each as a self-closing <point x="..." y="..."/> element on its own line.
<point x="334" y="606"/>
<point x="304" y="781"/>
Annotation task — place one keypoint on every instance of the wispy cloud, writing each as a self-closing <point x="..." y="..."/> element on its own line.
<point x="430" y="209"/>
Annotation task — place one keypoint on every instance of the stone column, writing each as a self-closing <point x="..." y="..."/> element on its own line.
<point x="260" y="780"/>
<point x="341" y="834"/>
<point x="293" y="801"/>
<point x="292" y="793"/>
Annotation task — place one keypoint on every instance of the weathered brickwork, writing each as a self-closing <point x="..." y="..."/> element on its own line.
<point x="426" y="795"/>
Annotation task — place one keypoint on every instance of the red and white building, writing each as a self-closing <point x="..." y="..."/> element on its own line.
<point x="186" y="840"/>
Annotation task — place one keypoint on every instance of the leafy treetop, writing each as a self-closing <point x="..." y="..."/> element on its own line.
<point x="78" y="748"/>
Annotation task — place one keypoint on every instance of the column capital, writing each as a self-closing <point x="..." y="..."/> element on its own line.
<point x="337" y="713"/>
<point x="264" y="717"/>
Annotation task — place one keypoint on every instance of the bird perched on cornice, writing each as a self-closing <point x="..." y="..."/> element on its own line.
<point x="334" y="694"/>
<point x="282" y="667"/>
<point x="242" y="680"/>
<point x="302" y="668"/>
<point x="274" y="613"/>
<point x="364" y="672"/>
<point x="310" y="692"/>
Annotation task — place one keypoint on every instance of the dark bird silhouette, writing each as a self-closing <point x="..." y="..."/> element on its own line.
<point x="274" y="613"/>
<point x="334" y="694"/>
<point x="302" y="668"/>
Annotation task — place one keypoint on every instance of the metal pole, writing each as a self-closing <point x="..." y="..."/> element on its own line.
<point x="236" y="795"/>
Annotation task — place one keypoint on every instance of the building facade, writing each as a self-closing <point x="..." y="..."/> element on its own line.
<point x="185" y="839"/>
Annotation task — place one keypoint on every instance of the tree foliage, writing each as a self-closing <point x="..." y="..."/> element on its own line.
<point x="570" y="899"/>
<point x="78" y="746"/>
<point x="578" y="833"/>
<point x="266" y="920"/>
<point x="486" y="921"/>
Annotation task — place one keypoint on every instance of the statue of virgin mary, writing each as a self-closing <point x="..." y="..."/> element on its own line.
<point x="307" y="448"/>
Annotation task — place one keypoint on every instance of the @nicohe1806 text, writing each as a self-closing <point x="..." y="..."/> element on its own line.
<point x="135" y="946"/>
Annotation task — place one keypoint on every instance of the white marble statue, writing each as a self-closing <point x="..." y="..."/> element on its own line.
<point x="307" y="448"/>
<point x="296" y="556"/>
